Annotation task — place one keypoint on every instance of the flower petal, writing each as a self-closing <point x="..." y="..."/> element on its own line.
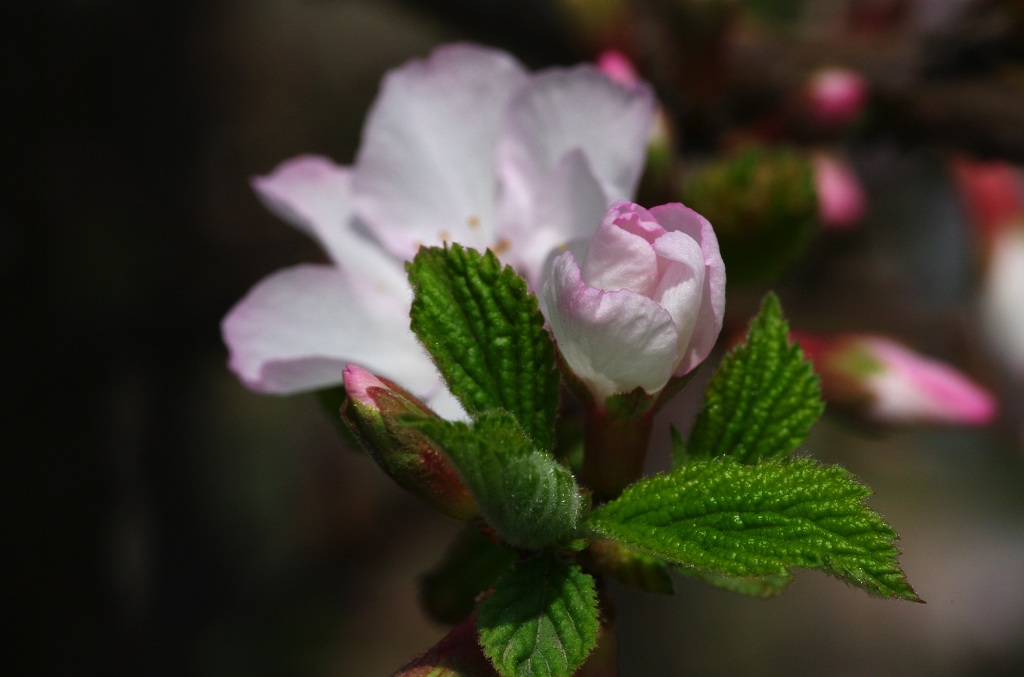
<point x="569" y="205"/>
<point x="614" y="341"/>
<point x="913" y="388"/>
<point x="425" y="172"/>
<point x="618" y="257"/>
<point x="676" y="217"/>
<point x="578" y="108"/>
<point x="312" y="193"/>
<point x="298" y="328"/>
<point x="681" y="286"/>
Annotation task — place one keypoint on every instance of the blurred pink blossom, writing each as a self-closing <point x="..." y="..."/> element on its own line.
<point x="464" y="146"/>
<point x="645" y="302"/>
<point x="618" y="67"/>
<point x="890" y="383"/>
<point x="835" y="97"/>
<point x="841" y="199"/>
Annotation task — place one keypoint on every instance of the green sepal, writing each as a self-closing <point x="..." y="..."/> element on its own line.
<point x="472" y="564"/>
<point x="485" y="332"/>
<point x="763" y="399"/>
<point x="528" y="498"/>
<point x="628" y="567"/>
<point x="541" y="619"/>
<point x="727" y="519"/>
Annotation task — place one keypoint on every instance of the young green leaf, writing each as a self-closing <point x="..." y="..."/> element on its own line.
<point x="762" y="400"/>
<point x="471" y="565"/>
<point x="542" y="619"/>
<point x="727" y="519"/>
<point x="485" y="333"/>
<point x="530" y="499"/>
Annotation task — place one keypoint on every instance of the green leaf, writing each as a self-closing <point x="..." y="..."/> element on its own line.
<point x="541" y="620"/>
<point x="755" y="586"/>
<point x="727" y="519"/>
<point x="524" y="494"/>
<point x="485" y="332"/>
<point x="763" y="399"/>
<point x="471" y="565"/>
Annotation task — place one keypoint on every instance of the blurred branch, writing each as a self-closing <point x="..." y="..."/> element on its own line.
<point x="962" y="89"/>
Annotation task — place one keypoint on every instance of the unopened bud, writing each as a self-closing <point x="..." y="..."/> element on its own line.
<point x="374" y="411"/>
<point x="888" y="382"/>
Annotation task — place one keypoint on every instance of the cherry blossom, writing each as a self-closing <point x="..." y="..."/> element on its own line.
<point x="643" y="304"/>
<point x="464" y="146"/>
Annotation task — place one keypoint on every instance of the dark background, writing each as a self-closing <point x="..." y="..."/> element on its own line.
<point x="164" y="520"/>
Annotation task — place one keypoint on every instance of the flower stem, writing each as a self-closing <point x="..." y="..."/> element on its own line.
<point x="615" y="446"/>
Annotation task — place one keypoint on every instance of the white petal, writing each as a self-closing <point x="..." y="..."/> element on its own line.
<point x="1002" y="298"/>
<point x="676" y="217"/>
<point x="426" y="169"/>
<point x="681" y="285"/>
<point x="614" y="341"/>
<point x="579" y="108"/>
<point x="298" y="328"/>
<point x="314" y="194"/>
<point x="569" y="207"/>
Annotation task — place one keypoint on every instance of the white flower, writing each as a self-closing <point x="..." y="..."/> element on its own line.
<point x="464" y="146"/>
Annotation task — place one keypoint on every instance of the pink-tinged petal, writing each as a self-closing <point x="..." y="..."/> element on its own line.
<point x="619" y="255"/>
<point x="680" y="285"/>
<point x="567" y="208"/>
<point x="1002" y="298"/>
<point x="676" y="217"/>
<point x="614" y="341"/>
<point x="298" y="328"/>
<point x="313" y="194"/>
<point x="579" y="108"/>
<point x="911" y="388"/>
<point x="425" y="171"/>
<point x="357" y="380"/>
<point x="841" y="200"/>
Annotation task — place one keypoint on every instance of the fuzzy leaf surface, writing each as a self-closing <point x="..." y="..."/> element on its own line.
<point x="726" y="519"/>
<point x="763" y="399"/>
<point x="541" y="620"/>
<point x="485" y="332"/>
<point x="530" y="499"/>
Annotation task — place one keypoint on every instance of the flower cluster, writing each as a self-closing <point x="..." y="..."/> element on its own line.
<point x="464" y="146"/>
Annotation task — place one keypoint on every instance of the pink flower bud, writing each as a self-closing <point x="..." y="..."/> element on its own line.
<point x="644" y="304"/>
<point x="835" y="97"/>
<point x="618" y="67"/>
<point x="374" y="412"/>
<point x="890" y="383"/>
<point x="841" y="200"/>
